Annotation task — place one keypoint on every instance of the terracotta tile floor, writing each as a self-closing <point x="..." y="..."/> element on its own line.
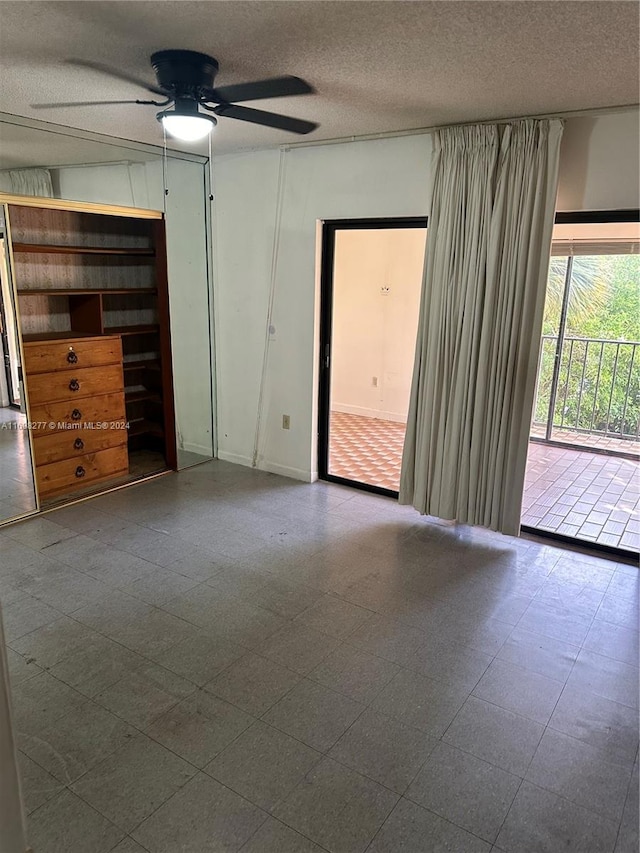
<point x="573" y="492"/>
<point x="368" y="450"/>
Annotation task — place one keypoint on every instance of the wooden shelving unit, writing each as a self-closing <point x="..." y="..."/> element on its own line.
<point x="81" y="273"/>
<point x="51" y="249"/>
<point x="87" y="291"/>
<point x="148" y="364"/>
<point x="150" y="329"/>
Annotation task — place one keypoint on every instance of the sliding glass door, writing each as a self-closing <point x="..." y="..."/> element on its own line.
<point x="582" y="478"/>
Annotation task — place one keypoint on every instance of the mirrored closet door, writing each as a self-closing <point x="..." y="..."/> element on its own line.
<point x="17" y="485"/>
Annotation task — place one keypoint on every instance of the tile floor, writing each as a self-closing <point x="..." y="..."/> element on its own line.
<point x="589" y="496"/>
<point x="601" y="442"/>
<point x="226" y="660"/>
<point x="17" y="495"/>
<point x="367" y="450"/>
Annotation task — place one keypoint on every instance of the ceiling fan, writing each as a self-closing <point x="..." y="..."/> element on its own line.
<point x="185" y="81"/>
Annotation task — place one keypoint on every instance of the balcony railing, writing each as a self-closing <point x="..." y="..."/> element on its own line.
<point x="594" y="389"/>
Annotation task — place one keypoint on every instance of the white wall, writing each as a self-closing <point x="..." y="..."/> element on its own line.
<point x="388" y="177"/>
<point x="600" y="163"/>
<point x="130" y="184"/>
<point x="377" y="280"/>
<point x="141" y="185"/>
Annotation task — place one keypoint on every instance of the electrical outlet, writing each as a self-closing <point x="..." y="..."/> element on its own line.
<point x="374" y="381"/>
<point x="286" y="422"/>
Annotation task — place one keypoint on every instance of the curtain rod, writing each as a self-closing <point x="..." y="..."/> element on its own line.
<point x="79" y="165"/>
<point x="420" y="131"/>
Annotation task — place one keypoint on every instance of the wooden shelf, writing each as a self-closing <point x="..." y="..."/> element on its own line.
<point x="150" y="364"/>
<point x="114" y="287"/>
<point x="43" y="248"/>
<point x="108" y="291"/>
<point x="142" y="396"/>
<point x="58" y="336"/>
<point x="145" y="427"/>
<point x="89" y="291"/>
<point x="132" y="330"/>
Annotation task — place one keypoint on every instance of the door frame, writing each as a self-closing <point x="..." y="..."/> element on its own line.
<point x="9" y="346"/>
<point x="329" y="229"/>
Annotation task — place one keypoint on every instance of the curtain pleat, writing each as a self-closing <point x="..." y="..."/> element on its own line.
<point x="36" y="182"/>
<point x="480" y="321"/>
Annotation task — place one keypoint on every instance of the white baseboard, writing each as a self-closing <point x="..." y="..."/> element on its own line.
<point x="236" y="458"/>
<point x="271" y="467"/>
<point x="368" y="413"/>
<point x="286" y="471"/>
<point x="197" y="448"/>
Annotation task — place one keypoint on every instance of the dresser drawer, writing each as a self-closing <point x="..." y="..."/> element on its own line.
<point x="69" y="475"/>
<point x="51" y="417"/>
<point x="71" y="354"/>
<point x="72" y="443"/>
<point x="74" y="384"/>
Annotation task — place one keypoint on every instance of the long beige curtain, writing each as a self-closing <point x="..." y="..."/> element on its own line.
<point x="486" y="264"/>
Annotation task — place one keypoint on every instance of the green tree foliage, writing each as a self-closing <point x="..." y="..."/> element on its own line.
<point x="599" y="383"/>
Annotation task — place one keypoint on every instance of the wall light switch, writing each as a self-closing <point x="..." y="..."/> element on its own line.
<point x="286" y="422"/>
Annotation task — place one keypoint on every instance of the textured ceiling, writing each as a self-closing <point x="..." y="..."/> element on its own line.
<point x="377" y="66"/>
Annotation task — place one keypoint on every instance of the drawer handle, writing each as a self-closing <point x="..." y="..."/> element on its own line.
<point x="76" y="414"/>
<point x="80" y="472"/>
<point x="72" y="358"/>
<point x="78" y="444"/>
<point x="74" y="385"/>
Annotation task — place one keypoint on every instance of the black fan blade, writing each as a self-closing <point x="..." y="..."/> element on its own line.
<point x="78" y="104"/>
<point x="295" y="125"/>
<point x="277" y="87"/>
<point x="115" y="72"/>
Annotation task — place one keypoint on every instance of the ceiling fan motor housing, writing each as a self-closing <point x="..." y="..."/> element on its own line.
<point x="184" y="73"/>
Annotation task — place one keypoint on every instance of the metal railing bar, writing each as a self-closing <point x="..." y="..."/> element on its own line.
<point x="591" y="340"/>
<point x="566" y="367"/>
<point x="584" y="368"/>
<point x="566" y="386"/>
<point x="627" y="436"/>
<point x="597" y="388"/>
<point x="613" y="385"/>
<point x="626" y="396"/>
<point x="538" y="375"/>
<point x="562" y="325"/>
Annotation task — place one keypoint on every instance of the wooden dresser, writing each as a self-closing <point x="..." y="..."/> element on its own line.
<point x="77" y="410"/>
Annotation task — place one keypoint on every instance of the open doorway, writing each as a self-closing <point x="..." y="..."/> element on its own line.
<point x="371" y="282"/>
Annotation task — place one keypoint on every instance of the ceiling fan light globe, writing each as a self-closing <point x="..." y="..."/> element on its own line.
<point x="187" y="128"/>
